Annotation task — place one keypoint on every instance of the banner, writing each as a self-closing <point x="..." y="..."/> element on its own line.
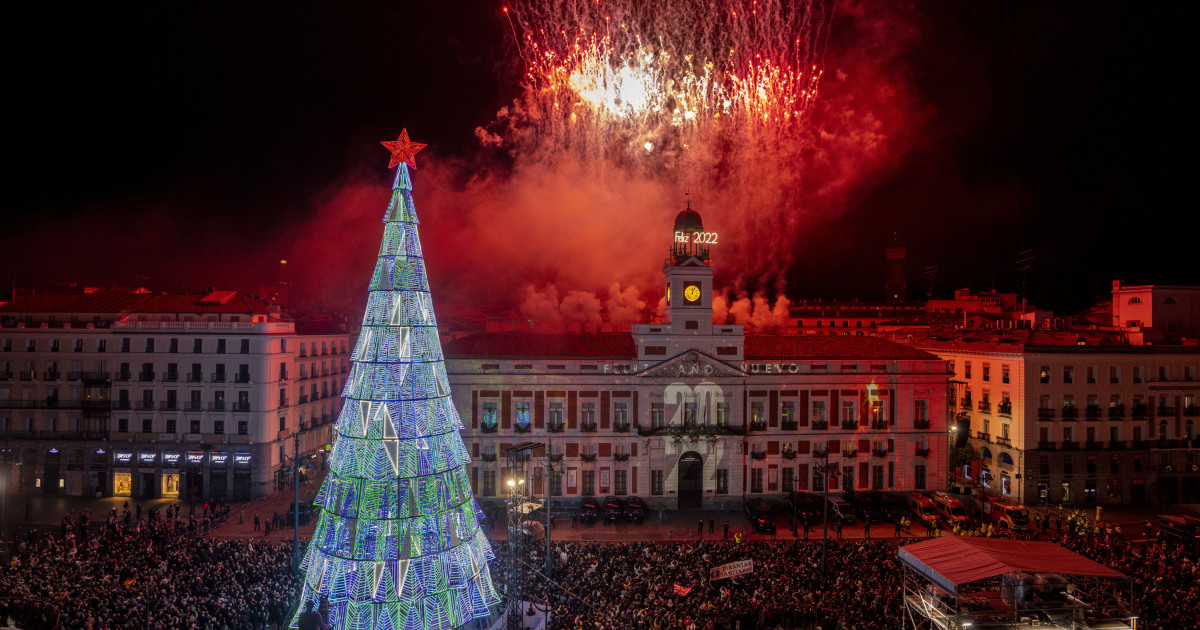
<point x="741" y="567"/>
<point x="682" y="590"/>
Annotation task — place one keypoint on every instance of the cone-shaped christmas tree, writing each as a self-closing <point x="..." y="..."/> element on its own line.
<point x="398" y="545"/>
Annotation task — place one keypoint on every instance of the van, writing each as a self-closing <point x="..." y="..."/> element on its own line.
<point x="838" y="509"/>
<point x="892" y="505"/>
<point x="1005" y="514"/>
<point x="761" y="515"/>
<point x="922" y="509"/>
<point x="614" y="509"/>
<point x="864" y="508"/>
<point x="950" y="509"/>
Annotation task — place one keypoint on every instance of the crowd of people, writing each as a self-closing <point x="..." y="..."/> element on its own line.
<point x="151" y="572"/>
<point x="607" y="586"/>
<point x="600" y="586"/>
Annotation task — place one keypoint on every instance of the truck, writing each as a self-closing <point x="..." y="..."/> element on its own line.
<point x="1004" y="513"/>
<point x="950" y="508"/>
<point x="922" y="509"/>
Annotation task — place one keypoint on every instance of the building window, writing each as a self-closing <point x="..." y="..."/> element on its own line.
<point x="1091" y="374"/>
<point x="967" y="369"/>
<point x="170" y="425"/>
<point x="218" y="426"/>
<point x="523" y="415"/>
<point x="848" y="409"/>
<point x="919" y="477"/>
<point x="489" y="415"/>
<point x="589" y="483"/>
<point x="194" y="427"/>
<point x="220" y="346"/>
<point x="620" y="481"/>
<point x="1068" y="375"/>
<point x="722" y="414"/>
<point x="1004" y="374"/>
<point x="987" y="372"/>
<point x="147" y="426"/>
<point x="620" y="413"/>
<point x="489" y="483"/>
<point x="722" y="481"/>
<point x="243" y="427"/>
<point x="556" y="414"/>
<point x="283" y="423"/>
<point x="818" y="414"/>
<point x="757" y="421"/>
<point x="656" y="482"/>
<point x="657" y="415"/>
<point x="787" y="414"/>
<point x="1139" y="374"/>
<point x="556" y="483"/>
<point x="1044" y="374"/>
<point x="787" y="479"/>
<point x="921" y="414"/>
<point x="756" y="480"/>
<point x="122" y="425"/>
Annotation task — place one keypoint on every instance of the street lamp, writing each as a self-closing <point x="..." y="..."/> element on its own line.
<point x="826" y="474"/>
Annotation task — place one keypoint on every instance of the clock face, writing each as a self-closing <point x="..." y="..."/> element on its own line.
<point x="691" y="293"/>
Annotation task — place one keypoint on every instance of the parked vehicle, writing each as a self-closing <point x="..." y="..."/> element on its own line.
<point x="923" y="509"/>
<point x="635" y="510"/>
<point x="1005" y="514"/>
<point x="950" y="509"/>
<point x="805" y="506"/>
<point x="864" y="508"/>
<point x="891" y="505"/>
<point x="839" y="509"/>
<point x="589" y="510"/>
<point x="761" y="515"/>
<point x="614" y="509"/>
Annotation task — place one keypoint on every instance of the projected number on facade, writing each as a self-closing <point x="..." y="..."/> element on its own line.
<point x="696" y="237"/>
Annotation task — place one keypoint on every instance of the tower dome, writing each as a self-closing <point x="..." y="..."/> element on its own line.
<point x="686" y="238"/>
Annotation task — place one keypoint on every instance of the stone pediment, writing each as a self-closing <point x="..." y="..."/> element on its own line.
<point x="692" y="364"/>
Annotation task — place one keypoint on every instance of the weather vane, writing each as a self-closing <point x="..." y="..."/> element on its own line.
<point x="403" y="150"/>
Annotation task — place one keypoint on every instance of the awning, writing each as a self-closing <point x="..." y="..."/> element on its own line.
<point x="950" y="561"/>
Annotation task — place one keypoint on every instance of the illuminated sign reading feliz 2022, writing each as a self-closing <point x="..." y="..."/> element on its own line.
<point x="708" y="238"/>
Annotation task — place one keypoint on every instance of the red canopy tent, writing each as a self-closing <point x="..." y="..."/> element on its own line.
<point x="950" y="561"/>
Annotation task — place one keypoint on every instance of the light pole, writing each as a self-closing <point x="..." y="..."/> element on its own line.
<point x="826" y="474"/>
<point x="516" y="577"/>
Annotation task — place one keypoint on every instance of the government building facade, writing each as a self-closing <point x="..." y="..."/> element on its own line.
<point x="695" y="414"/>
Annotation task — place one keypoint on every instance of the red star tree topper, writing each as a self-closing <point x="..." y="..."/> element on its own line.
<point x="403" y="150"/>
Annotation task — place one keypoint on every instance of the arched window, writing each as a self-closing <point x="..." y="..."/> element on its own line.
<point x="986" y="454"/>
<point x="1006" y="459"/>
<point x="1135" y="300"/>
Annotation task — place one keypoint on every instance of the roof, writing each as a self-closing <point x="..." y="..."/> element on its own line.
<point x="124" y="300"/>
<point x="542" y="345"/>
<point x="829" y="347"/>
<point x="951" y="561"/>
<point x="234" y="303"/>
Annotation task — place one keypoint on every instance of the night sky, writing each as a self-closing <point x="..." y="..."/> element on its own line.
<point x="181" y="146"/>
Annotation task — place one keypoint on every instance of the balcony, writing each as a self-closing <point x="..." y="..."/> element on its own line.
<point x="1141" y="444"/>
<point x="622" y="427"/>
<point x="1092" y="412"/>
<point x="758" y="425"/>
<point x="522" y="428"/>
<point x="1045" y="414"/>
<point x="1093" y="446"/>
<point x="789" y="425"/>
<point x="18" y="404"/>
<point x="170" y="377"/>
<point x="95" y="405"/>
<point x="964" y="403"/>
<point x="303" y="398"/>
<point x="1003" y="441"/>
<point x="52" y="376"/>
<point x="216" y="406"/>
<point x="145" y="405"/>
<point x="758" y="455"/>
<point x="587" y="457"/>
<point x="241" y="407"/>
<point x="193" y="406"/>
<point x="849" y="425"/>
<point x="122" y="405"/>
<point x="921" y="425"/>
<point x="879" y="425"/>
<point x="1116" y="412"/>
<point x="820" y="453"/>
<point x="1070" y="413"/>
<point x="123" y="377"/>
<point x="691" y="431"/>
<point x="489" y="428"/>
<point x="195" y="377"/>
<point x="1117" y="445"/>
<point x="1047" y="446"/>
<point x="879" y="452"/>
<point x="984" y="406"/>
<point x="95" y="376"/>
<point x="245" y="378"/>
<point x="1191" y="410"/>
<point x="588" y="427"/>
<point x="1165" y="411"/>
<point x="489" y="457"/>
<point x="218" y="377"/>
<point x="556" y="427"/>
<point x="145" y="377"/>
<point x="820" y="425"/>
<point x="1140" y="410"/>
<point x="555" y="457"/>
<point x="1070" y="445"/>
<point x="621" y="457"/>
<point x="1004" y="408"/>
<point x="170" y="405"/>
<point x="986" y="437"/>
<point x="923" y="452"/>
<point x="849" y="452"/>
<point x="1169" y="444"/>
<point x="789" y="454"/>
<point x="6" y="376"/>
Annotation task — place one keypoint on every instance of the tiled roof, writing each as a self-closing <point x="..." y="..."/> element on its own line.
<point x="239" y="303"/>
<point x="102" y="301"/>
<point x="828" y="347"/>
<point x="540" y="345"/>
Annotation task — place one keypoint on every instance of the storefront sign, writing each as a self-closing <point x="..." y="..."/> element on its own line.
<point x="218" y="459"/>
<point x="241" y="459"/>
<point x="741" y="567"/>
<point x="122" y="458"/>
<point x="171" y="459"/>
<point x="146" y="458"/>
<point x="195" y="458"/>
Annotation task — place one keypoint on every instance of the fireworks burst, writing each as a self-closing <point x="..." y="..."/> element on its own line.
<point x="659" y="77"/>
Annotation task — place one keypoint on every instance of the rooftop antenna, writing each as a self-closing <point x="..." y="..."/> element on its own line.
<point x="1024" y="264"/>
<point x="688" y="194"/>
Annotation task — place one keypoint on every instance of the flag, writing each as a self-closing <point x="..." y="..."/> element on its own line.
<point x="129" y="583"/>
<point x="682" y="590"/>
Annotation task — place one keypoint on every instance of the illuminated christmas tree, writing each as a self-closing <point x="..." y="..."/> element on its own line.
<point x="398" y="545"/>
